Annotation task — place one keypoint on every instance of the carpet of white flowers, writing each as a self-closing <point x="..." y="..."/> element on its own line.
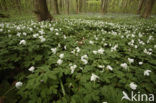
<point x="76" y="60"/>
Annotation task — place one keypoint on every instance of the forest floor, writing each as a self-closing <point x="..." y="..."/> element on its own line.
<point x="89" y="58"/>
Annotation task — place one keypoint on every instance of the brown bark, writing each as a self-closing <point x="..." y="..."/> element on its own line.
<point x="41" y="10"/>
<point x="148" y="8"/>
<point x="56" y="7"/>
<point x="141" y="4"/>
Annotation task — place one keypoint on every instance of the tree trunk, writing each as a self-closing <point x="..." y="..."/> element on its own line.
<point x="141" y="4"/>
<point x="104" y="6"/>
<point x="80" y="5"/>
<point x="148" y="8"/>
<point x="4" y="4"/>
<point x="41" y="10"/>
<point x="56" y="7"/>
<point x="67" y="1"/>
<point x="18" y="5"/>
<point x="61" y="5"/>
<point x="77" y="6"/>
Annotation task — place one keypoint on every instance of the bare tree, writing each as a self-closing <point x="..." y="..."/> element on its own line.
<point x="148" y="8"/>
<point x="41" y="10"/>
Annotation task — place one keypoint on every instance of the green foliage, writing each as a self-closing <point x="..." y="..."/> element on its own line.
<point x="52" y="82"/>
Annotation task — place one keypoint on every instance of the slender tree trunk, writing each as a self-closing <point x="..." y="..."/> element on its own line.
<point x="67" y="1"/>
<point x="84" y="5"/>
<point x="104" y="6"/>
<point x="148" y="8"/>
<point x="77" y="6"/>
<point x="4" y="4"/>
<point x="141" y="4"/>
<point x="50" y="4"/>
<point x="61" y="5"/>
<point x="56" y="7"/>
<point x="41" y="10"/>
<point x="18" y="5"/>
<point x="80" y="5"/>
<point x="125" y="5"/>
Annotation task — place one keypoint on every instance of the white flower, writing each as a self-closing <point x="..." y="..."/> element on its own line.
<point x="147" y="72"/>
<point x="135" y="46"/>
<point x="56" y="29"/>
<point x="65" y="47"/>
<point x="51" y="29"/>
<point x="78" y="49"/>
<point x="22" y="42"/>
<point x="65" y="37"/>
<point x="18" y="84"/>
<point x="31" y="69"/>
<point x="1" y="30"/>
<point x="35" y="35"/>
<point x="147" y="52"/>
<point x="93" y="77"/>
<point x="59" y="45"/>
<point x="42" y="38"/>
<point x="140" y="35"/>
<point x="61" y="56"/>
<point x="140" y="63"/>
<point x="57" y="33"/>
<point x="18" y="28"/>
<point x="130" y="60"/>
<point x="83" y="59"/>
<point x="91" y="42"/>
<point x="109" y="67"/>
<point x="59" y="61"/>
<point x="30" y="29"/>
<point x="95" y="52"/>
<point x="41" y="32"/>
<point x="72" y="68"/>
<point x="133" y="86"/>
<point x="105" y="44"/>
<point x="101" y="66"/>
<point x="25" y="34"/>
<point x="100" y="51"/>
<point x="73" y="51"/>
<point x="54" y="50"/>
<point x="124" y="65"/>
<point x="114" y="48"/>
<point x="18" y="34"/>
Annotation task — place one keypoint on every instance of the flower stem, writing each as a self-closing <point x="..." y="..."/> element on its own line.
<point x="8" y="91"/>
<point x="62" y="87"/>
